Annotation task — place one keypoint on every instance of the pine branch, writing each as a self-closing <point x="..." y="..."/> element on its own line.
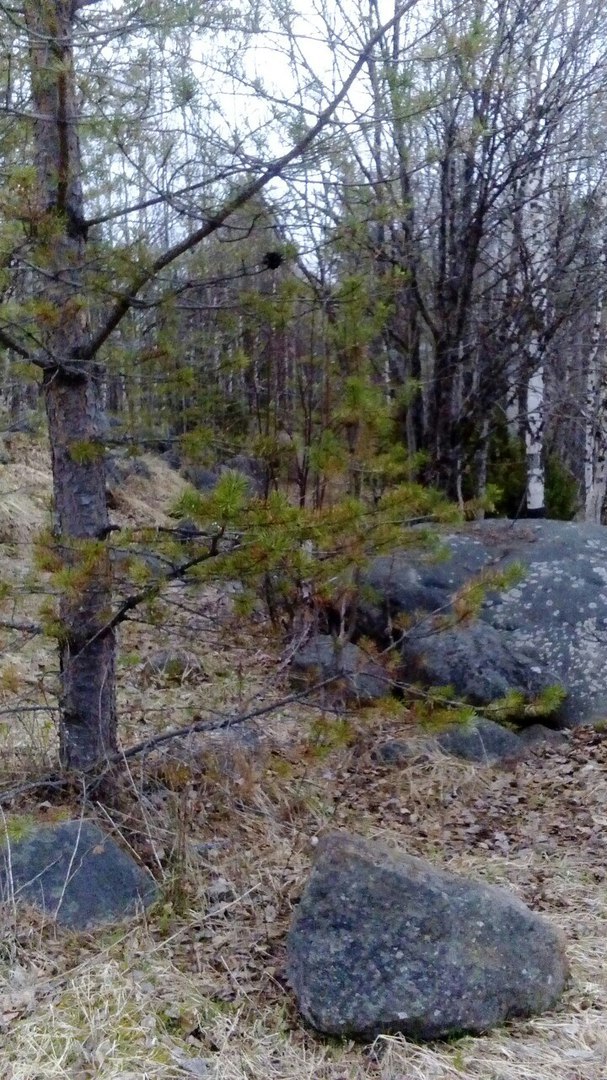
<point x="150" y="593"/>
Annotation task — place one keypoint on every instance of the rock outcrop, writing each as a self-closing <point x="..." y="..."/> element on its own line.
<point x="550" y="629"/>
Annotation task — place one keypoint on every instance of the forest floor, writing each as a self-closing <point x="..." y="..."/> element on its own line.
<point x="227" y="821"/>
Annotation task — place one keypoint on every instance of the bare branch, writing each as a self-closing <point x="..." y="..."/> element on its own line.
<point x="57" y="781"/>
<point x="151" y="592"/>
<point x="8" y="343"/>
<point x="248" y="192"/>
<point x="144" y="204"/>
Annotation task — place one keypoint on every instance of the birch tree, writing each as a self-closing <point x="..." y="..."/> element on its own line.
<point x="595" y="428"/>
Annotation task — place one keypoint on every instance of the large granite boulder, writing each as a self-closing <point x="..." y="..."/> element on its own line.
<point x="382" y="944"/>
<point x="75" y="874"/>
<point x="549" y="629"/>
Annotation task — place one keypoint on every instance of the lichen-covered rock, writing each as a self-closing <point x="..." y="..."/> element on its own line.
<point x="555" y="617"/>
<point x="75" y="874"/>
<point x="382" y="943"/>
<point x="360" y="678"/>
<point x="480" y="663"/>
<point x="411" y="581"/>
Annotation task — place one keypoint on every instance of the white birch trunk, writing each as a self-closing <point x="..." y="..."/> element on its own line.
<point x="482" y="462"/>
<point x="513" y="415"/>
<point x="596" y="469"/>
<point x="595" y="448"/>
<point x="534" y="441"/>
<point x="535" y="227"/>
<point x="536" y="254"/>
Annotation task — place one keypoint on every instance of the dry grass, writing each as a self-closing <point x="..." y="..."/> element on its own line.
<point x="196" y="988"/>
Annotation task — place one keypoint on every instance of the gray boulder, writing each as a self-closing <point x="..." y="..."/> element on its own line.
<point x="382" y="944"/>
<point x="481" y="740"/>
<point x="120" y="467"/>
<point x="250" y="468"/>
<point x="412" y="582"/>
<point x="556" y="617"/>
<point x="172" y="458"/>
<point x="200" y="478"/>
<point x="540" y="735"/>
<point x="357" y="676"/>
<point x="481" y="663"/>
<point x="400" y="752"/>
<point x="74" y="873"/>
<point x="253" y="471"/>
<point x="478" y="740"/>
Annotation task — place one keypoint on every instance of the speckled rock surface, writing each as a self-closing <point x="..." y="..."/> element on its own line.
<point x="556" y="616"/>
<point x="480" y="663"/>
<point x="382" y="943"/>
<point x="74" y="873"/>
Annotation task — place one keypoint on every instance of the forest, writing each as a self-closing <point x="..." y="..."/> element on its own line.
<point x="285" y="288"/>
<point x="363" y="247"/>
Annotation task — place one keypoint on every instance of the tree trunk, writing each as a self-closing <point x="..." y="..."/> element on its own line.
<point x="87" y="651"/>
<point x="595" y="442"/>
<point x="535" y="445"/>
<point x="65" y="346"/>
<point x="71" y="393"/>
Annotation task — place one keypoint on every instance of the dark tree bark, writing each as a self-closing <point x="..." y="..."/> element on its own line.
<point x="71" y="394"/>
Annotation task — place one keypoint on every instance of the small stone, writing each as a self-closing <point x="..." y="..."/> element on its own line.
<point x="75" y="874"/>
<point x="481" y="740"/>
<point x="220" y="890"/>
<point x="360" y="678"/>
<point x="401" y="751"/>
